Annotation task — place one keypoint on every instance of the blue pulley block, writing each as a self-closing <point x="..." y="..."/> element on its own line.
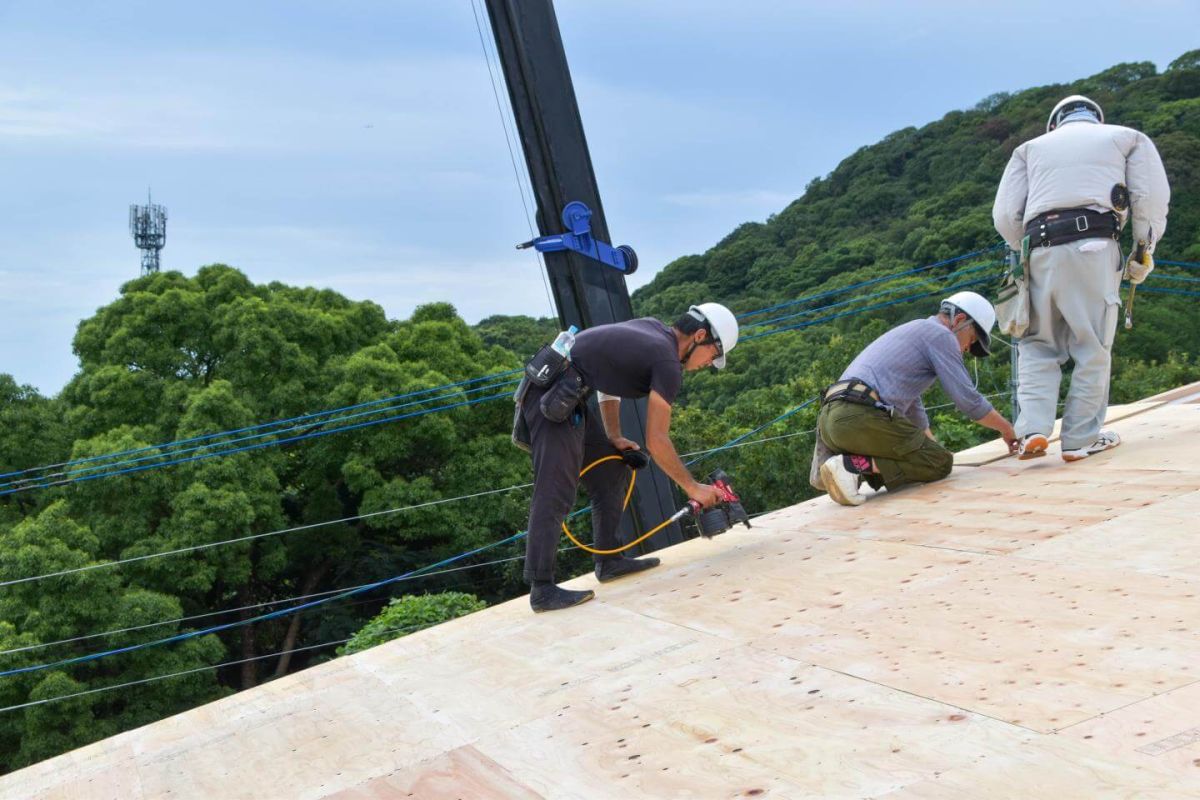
<point x="576" y="217"/>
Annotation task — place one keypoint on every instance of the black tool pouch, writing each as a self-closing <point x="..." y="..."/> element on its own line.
<point x="566" y="395"/>
<point x="545" y="367"/>
<point x="520" y="429"/>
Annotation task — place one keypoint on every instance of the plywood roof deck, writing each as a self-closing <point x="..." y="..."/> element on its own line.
<point x="1022" y="629"/>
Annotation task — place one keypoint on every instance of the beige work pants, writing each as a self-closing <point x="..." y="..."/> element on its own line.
<point x="1073" y="309"/>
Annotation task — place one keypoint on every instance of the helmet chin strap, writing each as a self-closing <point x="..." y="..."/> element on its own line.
<point x="694" y="344"/>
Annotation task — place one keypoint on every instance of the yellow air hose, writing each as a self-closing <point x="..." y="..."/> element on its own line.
<point x="628" y="494"/>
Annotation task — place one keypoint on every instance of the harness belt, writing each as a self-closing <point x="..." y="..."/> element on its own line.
<point x="1071" y="224"/>
<point x="854" y="391"/>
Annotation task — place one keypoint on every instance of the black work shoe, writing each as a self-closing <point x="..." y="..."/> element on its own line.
<point x="615" y="568"/>
<point x="552" y="598"/>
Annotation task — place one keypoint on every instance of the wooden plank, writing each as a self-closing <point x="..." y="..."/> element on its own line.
<point x="1160" y="733"/>
<point x="462" y="774"/>
<point x="996" y="450"/>
<point x="743" y="723"/>
<point x="964" y="639"/>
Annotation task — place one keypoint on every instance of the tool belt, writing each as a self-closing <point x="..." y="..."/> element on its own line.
<point x="854" y="391"/>
<point x="1071" y="224"/>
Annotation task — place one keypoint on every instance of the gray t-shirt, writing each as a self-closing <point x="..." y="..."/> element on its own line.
<point x="905" y="361"/>
<point x="629" y="359"/>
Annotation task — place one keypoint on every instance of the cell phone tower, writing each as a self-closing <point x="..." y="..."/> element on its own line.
<point x="148" y="224"/>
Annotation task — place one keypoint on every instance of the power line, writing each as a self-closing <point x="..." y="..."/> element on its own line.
<point x="871" y="282"/>
<point x="253" y="536"/>
<point x="133" y="628"/>
<point x="342" y="595"/>
<point x="68" y="476"/>
<point x="127" y="684"/>
<point x="257" y="446"/>
<point x="487" y="59"/>
<point x="858" y="299"/>
<point x="864" y="309"/>
<point x="207" y="436"/>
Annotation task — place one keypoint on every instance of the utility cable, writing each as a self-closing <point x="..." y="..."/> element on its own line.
<point x="251" y="537"/>
<point x="874" y="307"/>
<point x="69" y="475"/>
<point x="333" y="598"/>
<point x="951" y="276"/>
<point x="265" y="603"/>
<point x="127" y="684"/>
<point x="872" y="281"/>
<point x="258" y="445"/>
<point x="512" y="156"/>
<point x="168" y="445"/>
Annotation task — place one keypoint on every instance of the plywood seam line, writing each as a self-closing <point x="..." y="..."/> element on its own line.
<point x="1054" y="438"/>
<point x="1131" y="703"/>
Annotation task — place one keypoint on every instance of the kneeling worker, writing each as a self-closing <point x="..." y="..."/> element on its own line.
<point x="873" y="418"/>
<point x="630" y="359"/>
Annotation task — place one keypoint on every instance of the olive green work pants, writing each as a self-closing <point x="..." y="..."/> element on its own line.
<point x="902" y="452"/>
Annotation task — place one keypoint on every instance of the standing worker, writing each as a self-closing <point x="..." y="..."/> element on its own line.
<point x="630" y="359"/>
<point x="1069" y="192"/>
<point x="873" y="419"/>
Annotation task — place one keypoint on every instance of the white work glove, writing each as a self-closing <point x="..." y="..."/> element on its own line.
<point x="1136" y="271"/>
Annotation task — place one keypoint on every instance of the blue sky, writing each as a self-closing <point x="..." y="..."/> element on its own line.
<point x="358" y="146"/>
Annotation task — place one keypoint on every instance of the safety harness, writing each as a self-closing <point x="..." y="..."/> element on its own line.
<point x="1071" y="224"/>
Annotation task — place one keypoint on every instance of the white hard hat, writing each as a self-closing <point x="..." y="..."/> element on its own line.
<point x="722" y="326"/>
<point x="1071" y="104"/>
<point x="981" y="313"/>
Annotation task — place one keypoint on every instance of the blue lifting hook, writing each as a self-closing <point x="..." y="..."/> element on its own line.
<point x="577" y="217"/>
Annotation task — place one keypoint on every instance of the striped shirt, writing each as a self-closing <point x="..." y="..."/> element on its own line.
<point x="905" y="361"/>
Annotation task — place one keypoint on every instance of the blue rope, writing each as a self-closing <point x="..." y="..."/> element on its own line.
<point x="951" y="276"/>
<point x="349" y="592"/>
<point x="871" y="282"/>
<point x="260" y="618"/>
<point x="1164" y="290"/>
<point x="259" y="445"/>
<point x="1183" y="278"/>
<point x="208" y="436"/>
<point x="153" y="456"/>
<point x="1188" y="264"/>
<point x="865" y="308"/>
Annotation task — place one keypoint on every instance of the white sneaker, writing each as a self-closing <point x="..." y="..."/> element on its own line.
<point x="841" y="483"/>
<point x="1107" y="440"/>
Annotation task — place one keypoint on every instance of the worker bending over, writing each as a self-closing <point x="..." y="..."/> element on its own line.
<point x="638" y="358"/>
<point x="873" y="420"/>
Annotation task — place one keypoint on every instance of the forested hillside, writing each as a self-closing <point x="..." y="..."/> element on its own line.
<point x="217" y="531"/>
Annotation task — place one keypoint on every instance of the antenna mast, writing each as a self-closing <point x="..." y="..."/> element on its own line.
<point x="148" y="224"/>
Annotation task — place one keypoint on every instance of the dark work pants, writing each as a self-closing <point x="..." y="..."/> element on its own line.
<point x="902" y="451"/>
<point x="560" y="451"/>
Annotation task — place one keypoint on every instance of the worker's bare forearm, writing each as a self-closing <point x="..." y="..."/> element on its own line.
<point x="610" y="414"/>
<point x="662" y="450"/>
